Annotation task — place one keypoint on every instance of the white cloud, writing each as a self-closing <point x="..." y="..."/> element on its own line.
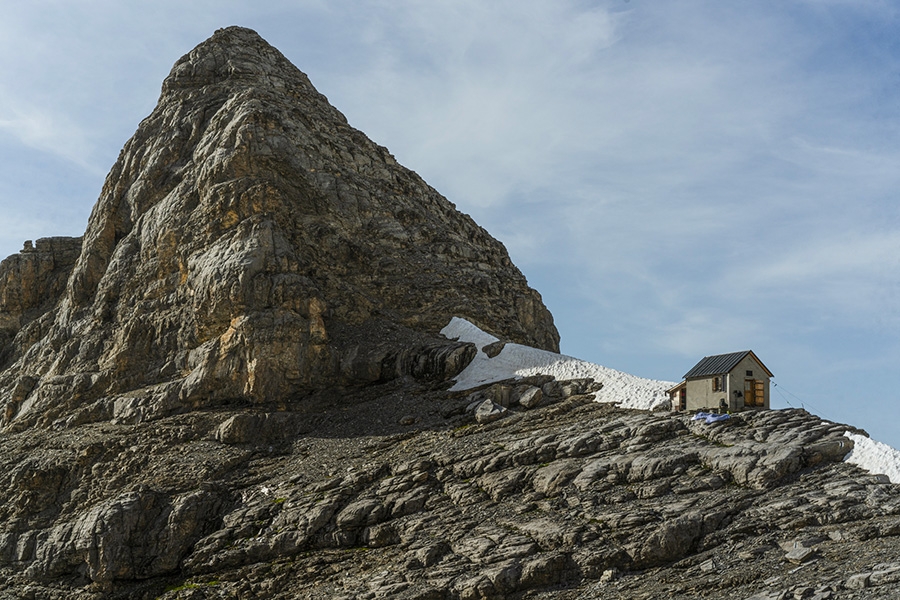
<point x="477" y="86"/>
<point x="48" y="132"/>
<point x="699" y="333"/>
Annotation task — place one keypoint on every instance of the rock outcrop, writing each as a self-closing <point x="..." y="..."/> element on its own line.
<point x="31" y="283"/>
<point x="404" y="495"/>
<point x="233" y="387"/>
<point x="248" y="244"/>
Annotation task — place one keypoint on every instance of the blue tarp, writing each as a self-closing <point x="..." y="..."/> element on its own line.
<point x="709" y="417"/>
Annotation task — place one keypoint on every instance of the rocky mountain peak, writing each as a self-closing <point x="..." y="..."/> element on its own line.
<point x="233" y="387"/>
<point x="231" y="54"/>
<point x="250" y="244"/>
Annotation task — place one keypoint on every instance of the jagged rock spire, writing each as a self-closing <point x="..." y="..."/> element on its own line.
<point x="248" y="243"/>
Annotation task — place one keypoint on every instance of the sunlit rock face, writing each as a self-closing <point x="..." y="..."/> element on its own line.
<point x="233" y="386"/>
<point x="250" y="244"/>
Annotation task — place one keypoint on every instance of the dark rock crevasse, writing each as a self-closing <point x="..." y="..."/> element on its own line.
<point x="245" y="241"/>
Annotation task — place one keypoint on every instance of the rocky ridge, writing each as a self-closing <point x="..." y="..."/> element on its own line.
<point x="233" y="386"/>
<point x="397" y="492"/>
<point x="248" y="244"/>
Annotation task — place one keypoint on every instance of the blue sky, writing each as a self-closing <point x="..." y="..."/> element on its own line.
<point x="677" y="179"/>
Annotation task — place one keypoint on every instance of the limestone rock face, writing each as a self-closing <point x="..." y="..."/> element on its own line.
<point x="570" y="499"/>
<point x="247" y="244"/>
<point x="30" y="284"/>
<point x="232" y="388"/>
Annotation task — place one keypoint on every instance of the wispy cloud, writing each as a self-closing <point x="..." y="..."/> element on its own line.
<point x="48" y="132"/>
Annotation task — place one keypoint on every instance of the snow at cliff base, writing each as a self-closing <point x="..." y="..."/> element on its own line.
<point x="516" y="361"/>
<point x="874" y="457"/>
<point x="628" y="391"/>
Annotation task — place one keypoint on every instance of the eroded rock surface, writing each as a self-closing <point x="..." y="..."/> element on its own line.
<point x="571" y="499"/>
<point x="248" y="244"/>
<point x="233" y="387"/>
<point x="31" y="282"/>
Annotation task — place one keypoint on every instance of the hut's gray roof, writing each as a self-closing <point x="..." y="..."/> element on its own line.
<point x="720" y="364"/>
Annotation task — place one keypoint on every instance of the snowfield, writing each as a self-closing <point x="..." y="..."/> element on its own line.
<point x="517" y="361"/>
<point x="628" y="391"/>
<point x="874" y="457"/>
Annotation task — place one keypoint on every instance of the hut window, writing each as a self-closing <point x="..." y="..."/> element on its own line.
<point x="749" y="373"/>
<point x="717" y="384"/>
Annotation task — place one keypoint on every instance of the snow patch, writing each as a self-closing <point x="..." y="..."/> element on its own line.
<point x="874" y="457"/>
<point x="516" y="361"/>
<point x="464" y="331"/>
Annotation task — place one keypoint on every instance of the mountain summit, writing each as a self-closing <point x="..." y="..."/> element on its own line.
<point x="279" y="366"/>
<point x="250" y="244"/>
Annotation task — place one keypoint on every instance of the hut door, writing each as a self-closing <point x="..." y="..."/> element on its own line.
<point x="754" y="393"/>
<point x="749" y="393"/>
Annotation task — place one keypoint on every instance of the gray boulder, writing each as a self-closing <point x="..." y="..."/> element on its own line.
<point x="529" y="397"/>
<point x="487" y="411"/>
